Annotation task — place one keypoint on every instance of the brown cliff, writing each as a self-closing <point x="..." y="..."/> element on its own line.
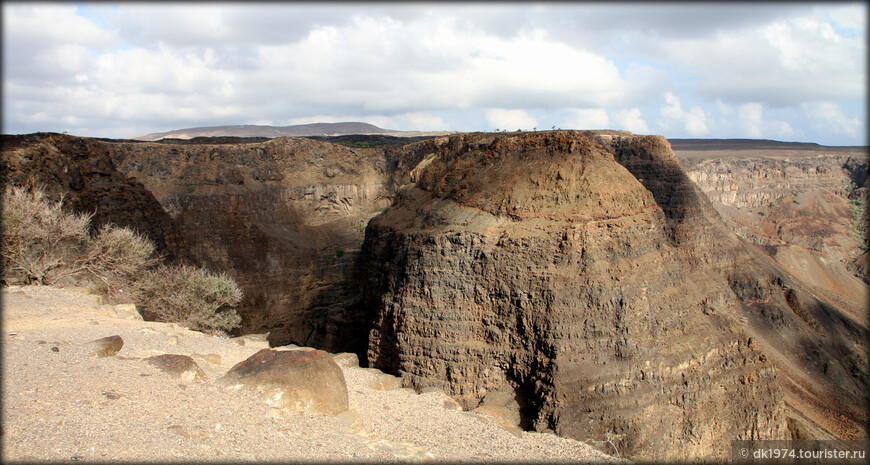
<point x="804" y="211"/>
<point x="583" y="272"/>
<point x="82" y="171"/>
<point x="284" y="217"/>
<point x="612" y="301"/>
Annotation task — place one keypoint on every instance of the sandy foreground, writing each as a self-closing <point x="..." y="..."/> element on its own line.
<point x="61" y="404"/>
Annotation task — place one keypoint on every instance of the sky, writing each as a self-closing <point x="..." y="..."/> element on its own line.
<point x="783" y="71"/>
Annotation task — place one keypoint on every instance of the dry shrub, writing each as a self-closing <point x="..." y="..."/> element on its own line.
<point x="191" y="296"/>
<point x="118" y="257"/>
<point x="41" y="242"/>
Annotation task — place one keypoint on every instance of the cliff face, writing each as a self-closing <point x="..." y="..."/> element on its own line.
<point x="806" y="212"/>
<point x="817" y="340"/>
<point x="538" y="262"/>
<point x="284" y="217"/>
<point x="582" y="272"/>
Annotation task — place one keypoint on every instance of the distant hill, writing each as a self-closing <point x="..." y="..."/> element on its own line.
<point x="248" y="130"/>
<point x="693" y="151"/>
<point x="754" y="144"/>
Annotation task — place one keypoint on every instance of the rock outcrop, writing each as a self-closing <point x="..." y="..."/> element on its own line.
<point x="586" y="272"/>
<point x="182" y="366"/>
<point x="298" y="381"/>
<point x="806" y="212"/>
<point x="80" y="170"/>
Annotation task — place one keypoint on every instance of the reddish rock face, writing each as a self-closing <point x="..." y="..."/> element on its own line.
<point x="299" y="380"/>
<point x="585" y="271"/>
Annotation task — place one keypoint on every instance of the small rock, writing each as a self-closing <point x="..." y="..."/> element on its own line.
<point x="106" y="347"/>
<point x="386" y="382"/>
<point x="127" y="312"/>
<point x="451" y="404"/>
<point x="350" y="419"/>
<point x="346" y="359"/>
<point x="111" y="395"/>
<point x="212" y="359"/>
<point x="173" y="341"/>
<point x="55" y="349"/>
<point x="180" y="365"/>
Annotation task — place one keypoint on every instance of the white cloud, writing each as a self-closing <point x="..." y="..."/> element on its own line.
<point x="630" y="120"/>
<point x="750" y="119"/>
<point x="422" y="121"/>
<point x="588" y="118"/>
<point x="432" y="66"/>
<point x="694" y="121"/>
<point x="830" y="117"/>
<point x="783" y="62"/>
<point x="499" y="118"/>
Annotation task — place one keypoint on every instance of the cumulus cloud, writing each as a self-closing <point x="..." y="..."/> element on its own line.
<point x="404" y="66"/>
<point x="781" y="63"/>
<point x="588" y="118"/>
<point x="500" y="118"/>
<point x="630" y="120"/>
<point x="694" y="122"/>
<point x="750" y="119"/>
<point x="830" y="117"/>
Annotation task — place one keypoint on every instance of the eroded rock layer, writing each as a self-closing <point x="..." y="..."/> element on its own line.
<point x="284" y="217"/>
<point x="538" y="261"/>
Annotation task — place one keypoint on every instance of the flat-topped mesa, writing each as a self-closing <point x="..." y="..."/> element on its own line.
<point x="538" y="261"/>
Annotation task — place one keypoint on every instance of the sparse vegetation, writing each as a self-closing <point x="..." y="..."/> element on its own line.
<point x="339" y="253"/>
<point x="42" y="244"/>
<point x="191" y="296"/>
<point x="859" y="218"/>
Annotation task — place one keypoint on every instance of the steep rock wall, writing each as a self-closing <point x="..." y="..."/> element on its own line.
<point x="539" y="262"/>
<point x="284" y="217"/>
<point x="799" y="206"/>
<point x="817" y="342"/>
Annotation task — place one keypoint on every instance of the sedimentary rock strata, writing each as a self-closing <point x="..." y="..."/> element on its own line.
<point x="578" y="282"/>
<point x="539" y="262"/>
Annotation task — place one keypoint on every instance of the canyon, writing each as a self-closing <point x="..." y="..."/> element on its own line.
<point x="611" y="290"/>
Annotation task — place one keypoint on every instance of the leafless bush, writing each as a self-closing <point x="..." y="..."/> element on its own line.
<point x="40" y="241"/>
<point x="191" y="296"/>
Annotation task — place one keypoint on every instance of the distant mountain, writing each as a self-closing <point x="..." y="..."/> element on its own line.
<point x="753" y="144"/>
<point x="248" y="130"/>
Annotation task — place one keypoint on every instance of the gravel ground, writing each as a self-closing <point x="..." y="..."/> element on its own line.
<point x="61" y="404"/>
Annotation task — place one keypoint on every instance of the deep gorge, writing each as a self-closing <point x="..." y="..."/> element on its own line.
<point x="584" y="272"/>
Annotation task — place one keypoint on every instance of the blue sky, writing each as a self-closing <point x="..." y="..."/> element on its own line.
<point x="781" y="71"/>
